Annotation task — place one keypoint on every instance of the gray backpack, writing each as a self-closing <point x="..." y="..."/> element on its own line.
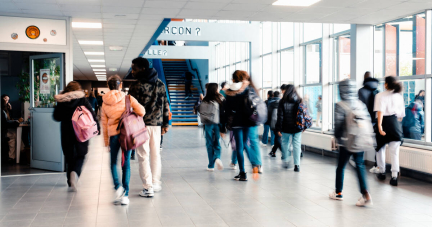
<point x="209" y="112"/>
<point x="359" y="134"/>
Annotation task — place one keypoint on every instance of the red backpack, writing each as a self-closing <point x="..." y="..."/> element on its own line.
<point x="133" y="132"/>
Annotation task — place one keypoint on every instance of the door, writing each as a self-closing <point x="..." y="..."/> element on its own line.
<point x="47" y="74"/>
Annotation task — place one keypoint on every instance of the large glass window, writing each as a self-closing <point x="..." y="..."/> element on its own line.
<point x="287" y="35"/>
<point x="340" y="28"/>
<point x="342" y="58"/>
<point x="312" y="31"/>
<point x="287" y="67"/>
<point x="313" y="63"/>
<point x="414" y="120"/>
<point x="312" y="98"/>
<point x="267" y="37"/>
<point x="267" y="70"/>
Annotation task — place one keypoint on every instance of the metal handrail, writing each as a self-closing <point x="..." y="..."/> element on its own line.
<point x="198" y="75"/>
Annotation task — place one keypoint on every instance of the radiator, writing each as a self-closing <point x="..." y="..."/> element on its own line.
<point x="318" y="140"/>
<point x="413" y="158"/>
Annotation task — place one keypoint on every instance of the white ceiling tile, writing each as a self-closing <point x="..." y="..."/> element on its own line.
<point x="245" y="7"/>
<point x="165" y="12"/>
<point x="119" y="21"/>
<point x="120" y="16"/>
<point x="80" y="2"/>
<point x="37" y="1"/>
<point x="83" y="17"/>
<point x="123" y="3"/>
<point x="80" y="8"/>
<point x="205" y="5"/>
<point x="197" y="13"/>
<point x="32" y="6"/>
<point x="42" y="12"/>
<point x="336" y="3"/>
<point x="164" y="4"/>
<point x="6" y="6"/>
<point x="278" y="9"/>
<point x="326" y="10"/>
<point x="230" y="14"/>
<point x="409" y="6"/>
<point x="374" y="4"/>
<point x="106" y="25"/>
<point x="151" y="17"/>
<point x="120" y="10"/>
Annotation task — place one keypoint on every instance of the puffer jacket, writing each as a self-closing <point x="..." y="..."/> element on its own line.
<point x="236" y="97"/>
<point x="287" y="116"/>
<point x="150" y="92"/>
<point x="367" y="93"/>
<point x="273" y="105"/>
<point x="413" y="122"/>
<point x="112" y="109"/>
<point x="348" y="94"/>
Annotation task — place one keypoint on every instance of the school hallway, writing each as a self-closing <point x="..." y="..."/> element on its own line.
<point x="191" y="196"/>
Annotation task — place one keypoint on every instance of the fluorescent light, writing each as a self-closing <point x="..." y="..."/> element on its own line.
<point x="84" y="42"/>
<point x="95" y="66"/>
<point x="86" y="25"/>
<point x="96" y="60"/>
<point x="94" y="53"/>
<point x="112" y="69"/>
<point x="100" y="73"/>
<point x="295" y="2"/>
<point x="116" y="48"/>
<point x="100" y="70"/>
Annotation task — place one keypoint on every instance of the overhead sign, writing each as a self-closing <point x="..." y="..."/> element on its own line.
<point x="156" y="52"/>
<point x="178" y="52"/>
<point x="182" y="30"/>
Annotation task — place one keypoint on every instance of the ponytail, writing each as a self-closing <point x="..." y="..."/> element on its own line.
<point x="393" y="84"/>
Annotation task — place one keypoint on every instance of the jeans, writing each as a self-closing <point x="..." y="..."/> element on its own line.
<point x="344" y="156"/>
<point x="277" y="142"/>
<point x="188" y="84"/>
<point x="126" y="173"/>
<point x="285" y="144"/>
<point x="394" y="157"/>
<point x="265" y="135"/>
<point x="233" y="146"/>
<point x="212" y="135"/>
<point x="242" y="135"/>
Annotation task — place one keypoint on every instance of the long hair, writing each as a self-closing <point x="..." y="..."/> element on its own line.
<point x="92" y="94"/>
<point x="291" y="94"/>
<point x="240" y="76"/>
<point x="213" y="94"/>
<point x="72" y="86"/>
<point x="114" y="82"/>
<point x="393" y="84"/>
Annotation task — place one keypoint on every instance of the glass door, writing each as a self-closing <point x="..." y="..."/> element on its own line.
<point x="47" y="74"/>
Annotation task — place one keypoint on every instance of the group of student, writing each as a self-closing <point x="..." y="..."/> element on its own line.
<point x="148" y="99"/>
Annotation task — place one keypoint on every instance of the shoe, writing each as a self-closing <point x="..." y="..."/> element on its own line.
<point x="296" y="168"/>
<point x="233" y="166"/>
<point x="263" y="144"/>
<point x="187" y="97"/>
<point x="241" y="177"/>
<point x="375" y="169"/>
<point x="147" y="193"/>
<point x="287" y="165"/>
<point x="124" y="200"/>
<point x="157" y="187"/>
<point x="119" y="195"/>
<point x="260" y="169"/>
<point x="394" y="181"/>
<point x="301" y="155"/>
<point x="363" y="202"/>
<point x="381" y="176"/>
<point x="219" y="164"/>
<point x="73" y="181"/>
<point x="336" y="196"/>
<point x="351" y="162"/>
<point x="132" y="157"/>
<point x="161" y="149"/>
<point x="272" y="154"/>
<point x="210" y="169"/>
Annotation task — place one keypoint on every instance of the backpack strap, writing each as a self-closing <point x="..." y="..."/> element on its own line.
<point x="128" y="104"/>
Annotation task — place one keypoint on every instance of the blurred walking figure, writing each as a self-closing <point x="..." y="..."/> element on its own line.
<point x="318" y="106"/>
<point x="351" y="107"/>
<point x="273" y="105"/>
<point x="413" y="122"/>
<point x="267" y="124"/>
<point x="188" y="83"/>
<point x="390" y="109"/>
<point x="421" y="96"/>
<point x="93" y="101"/>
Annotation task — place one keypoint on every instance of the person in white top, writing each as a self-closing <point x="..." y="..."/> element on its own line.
<point x="390" y="109"/>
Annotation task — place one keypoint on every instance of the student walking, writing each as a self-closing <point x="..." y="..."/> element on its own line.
<point x="390" y="108"/>
<point x="188" y="83"/>
<point x="273" y="105"/>
<point x="349" y="103"/>
<point x="287" y="128"/>
<point x="242" y="126"/>
<point x="93" y="101"/>
<point x="111" y="112"/>
<point x="212" y="112"/>
<point x="74" y="151"/>
<point x="267" y="124"/>
<point x="150" y="92"/>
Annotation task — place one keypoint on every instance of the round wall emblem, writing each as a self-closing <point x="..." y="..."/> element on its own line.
<point x="14" y="36"/>
<point x="45" y="39"/>
<point x="32" y="32"/>
<point x="53" y="32"/>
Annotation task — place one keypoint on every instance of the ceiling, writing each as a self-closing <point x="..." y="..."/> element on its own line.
<point x="131" y="23"/>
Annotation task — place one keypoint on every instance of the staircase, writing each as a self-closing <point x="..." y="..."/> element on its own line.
<point x="182" y="110"/>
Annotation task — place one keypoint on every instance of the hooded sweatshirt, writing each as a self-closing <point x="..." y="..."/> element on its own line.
<point x="367" y="93"/>
<point x="112" y="109"/>
<point x="150" y="92"/>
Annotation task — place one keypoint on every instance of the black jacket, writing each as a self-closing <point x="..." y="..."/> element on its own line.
<point x="6" y="123"/>
<point x="63" y="112"/>
<point x="367" y="93"/>
<point x="273" y="104"/>
<point x="287" y="116"/>
<point x="235" y="107"/>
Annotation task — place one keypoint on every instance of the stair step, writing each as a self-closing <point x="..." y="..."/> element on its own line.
<point x="176" y="101"/>
<point x="185" y="116"/>
<point x="182" y="112"/>
<point x="185" y="124"/>
<point x="181" y="108"/>
<point x="184" y="120"/>
<point x="182" y="105"/>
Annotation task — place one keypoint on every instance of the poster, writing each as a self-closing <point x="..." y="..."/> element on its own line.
<point x="45" y="84"/>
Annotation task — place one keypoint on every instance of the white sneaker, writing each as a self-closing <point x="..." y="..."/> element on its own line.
<point x="375" y="169"/>
<point x="351" y="162"/>
<point x="233" y="166"/>
<point x="210" y="169"/>
<point x="362" y="202"/>
<point x="147" y="193"/>
<point x="119" y="195"/>
<point x="335" y="196"/>
<point x="157" y="187"/>
<point x="73" y="181"/>
<point x="125" y="200"/>
<point x="219" y="164"/>
<point x="262" y="144"/>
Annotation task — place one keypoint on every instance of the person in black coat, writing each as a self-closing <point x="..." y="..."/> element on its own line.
<point x="273" y="105"/>
<point x="73" y="150"/>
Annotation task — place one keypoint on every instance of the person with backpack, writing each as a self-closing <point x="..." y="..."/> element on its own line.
<point x="390" y="108"/>
<point x="74" y="151"/>
<point x="114" y="105"/>
<point x="240" y="120"/>
<point x="212" y="112"/>
<point x="286" y="126"/>
<point x="267" y="124"/>
<point x="413" y="123"/>
<point x="151" y="93"/>
<point x="273" y="105"/>
<point x="352" y="138"/>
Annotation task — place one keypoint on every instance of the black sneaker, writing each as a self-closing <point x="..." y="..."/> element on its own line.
<point x="296" y="168"/>
<point x="272" y="154"/>
<point x="381" y="176"/>
<point x="132" y="157"/>
<point x="394" y="181"/>
<point x="301" y="155"/>
<point x="241" y="177"/>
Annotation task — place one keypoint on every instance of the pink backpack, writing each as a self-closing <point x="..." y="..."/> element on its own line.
<point x="84" y="125"/>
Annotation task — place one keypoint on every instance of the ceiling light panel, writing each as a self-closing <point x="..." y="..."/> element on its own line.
<point x="85" y="42"/>
<point x="94" y="53"/>
<point x="112" y="69"/>
<point x="96" y="60"/>
<point x="86" y="25"/>
<point x="99" y="70"/>
<point x="116" y="48"/>
<point x="295" y="2"/>
<point x="100" y="73"/>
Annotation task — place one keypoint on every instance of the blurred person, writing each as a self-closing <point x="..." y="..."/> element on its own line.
<point x="99" y="101"/>
<point x="413" y="123"/>
<point x="224" y="87"/>
<point x="114" y="105"/>
<point x="349" y="99"/>
<point x="8" y="130"/>
<point x="214" y="125"/>
<point x="150" y="92"/>
<point x="267" y="125"/>
<point x="188" y="83"/>
<point x="283" y="88"/>
<point x="318" y="106"/>
<point x="306" y="102"/>
<point x="233" y="163"/>
<point x="8" y="107"/>
<point x="286" y="127"/>
<point x="243" y="127"/>
<point x="421" y="96"/>
<point x="93" y="101"/>
<point x="74" y="151"/>
<point x="273" y="105"/>
<point x="390" y="108"/>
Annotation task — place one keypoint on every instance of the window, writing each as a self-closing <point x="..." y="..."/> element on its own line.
<point x="267" y="37"/>
<point x="267" y="71"/>
<point x="342" y="58"/>
<point x="311" y="31"/>
<point x="340" y="28"/>
<point x="414" y="120"/>
<point x="287" y="67"/>
<point x="287" y="35"/>
<point x="312" y="98"/>
<point x="313" y="63"/>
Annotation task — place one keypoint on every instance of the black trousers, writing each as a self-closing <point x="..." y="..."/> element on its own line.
<point x="277" y="142"/>
<point x="188" y="84"/>
<point x="74" y="153"/>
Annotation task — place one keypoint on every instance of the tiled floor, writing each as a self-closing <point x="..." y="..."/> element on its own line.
<point x="192" y="196"/>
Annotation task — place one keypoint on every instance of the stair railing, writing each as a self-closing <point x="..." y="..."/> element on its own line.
<point x="198" y="75"/>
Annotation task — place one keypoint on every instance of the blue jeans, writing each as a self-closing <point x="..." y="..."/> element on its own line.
<point x="285" y="143"/>
<point x="265" y="135"/>
<point x="233" y="146"/>
<point x="242" y="135"/>
<point x="212" y="135"/>
<point x="114" y="150"/>
<point x="344" y="156"/>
